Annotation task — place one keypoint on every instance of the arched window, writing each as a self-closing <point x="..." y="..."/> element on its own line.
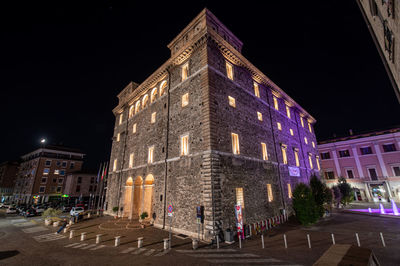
<point x="145" y="101"/>
<point x="137" y="107"/>
<point x="131" y="109"/>
<point x="153" y="95"/>
<point x="162" y="87"/>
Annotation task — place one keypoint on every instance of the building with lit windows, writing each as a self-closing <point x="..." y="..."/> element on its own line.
<point x="208" y="128"/>
<point x="8" y="176"/>
<point x="370" y="163"/>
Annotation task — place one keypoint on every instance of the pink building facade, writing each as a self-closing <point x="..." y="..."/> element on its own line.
<point x="369" y="162"/>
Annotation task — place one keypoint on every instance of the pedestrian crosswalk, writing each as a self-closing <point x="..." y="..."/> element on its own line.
<point x="48" y="237"/>
<point x="34" y="229"/>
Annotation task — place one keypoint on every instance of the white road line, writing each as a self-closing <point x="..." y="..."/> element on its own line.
<point x="98" y="247"/>
<point x="34" y="229"/>
<point x="79" y="246"/>
<point x="89" y="246"/>
<point x="206" y="250"/>
<point x="48" y="237"/>
<point x="18" y="221"/>
<point x="26" y="224"/>
<point x="246" y="255"/>
<point x="243" y="261"/>
<point x="140" y="250"/>
<point x="71" y="245"/>
<point x="148" y="253"/>
<point x="162" y="253"/>
<point x="127" y="250"/>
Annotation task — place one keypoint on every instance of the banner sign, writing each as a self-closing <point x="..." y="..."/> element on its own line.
<point x="239" y="218"/>
<point x="294" y="171"/>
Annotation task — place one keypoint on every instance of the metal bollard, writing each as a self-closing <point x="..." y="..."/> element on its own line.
<point x="309" y="241"/>
<point x="333" y="239"/>
<point x="284" y="240"/>
<point x="240" y="241"/>
<point x="217" y="242"/>
<point x="83" y="236"/>
<point x="195" y="243"/>
<point x="166" y="244"/>
<point x="65" y="230"/>
<point x="88" y="215"/>
<point x="383" y="240"/>
<point x="98" y="239"/>
<point x="117" y="241"/>
<point x="71" y="234"/>
<point x="358" y="240"/>
<point x="262" y="241"/>
<point x="140" y="242"/>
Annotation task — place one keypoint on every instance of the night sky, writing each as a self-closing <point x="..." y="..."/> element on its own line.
<point x="63" y="64"/>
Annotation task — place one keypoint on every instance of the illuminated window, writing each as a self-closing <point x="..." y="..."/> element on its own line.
<point x="56" y="172"/>
<point x="309" y="127"/>
<point x="296" y="157"/>
<point x="305" y="140"/>
<point x="134" y="128"/>
<point x="163" y="85"/>
<point x="235" y="143"/>
<point x="313" y="144"/>
<point x="310" y="160"/>
<point x="289" y="190"/>
<point x="317" y="160"/>
<point x="150" y="155"/>
<point x="279" y="126"/>
<point x="131" y="160"/>
<point x="239" y="197"/>
<point x="302" y="121"/>
<point x="153" y="95"/>
<point x="185" y="71"/>
<point x="264" y="151"/>
<point x="259" y="116"/>
<point x="115" y="165"/>
<point x="185" y="99"/>
<point x="137" y="107"/>
<point x="276" y="104"/>
<point x="46" y="171"/>
<point x="229" y="70"/>
<point x="269" y="193"/>
<point x="145" y="100"/>
<point x="153" y="117"/>
<point x="121" y="116"/>
<point x="256" y="90"/>
<point x="288" y="111"/>
<point x="118" y="137"/>
<point x="131" y="110"/>
<point x="284" y="154"/>
<point x="291" y="132"/>
<point x="232" y="101"/>
<point x="184" y="145"/>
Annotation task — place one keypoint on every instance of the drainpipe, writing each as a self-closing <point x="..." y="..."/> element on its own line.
<point x="166" y="147"/>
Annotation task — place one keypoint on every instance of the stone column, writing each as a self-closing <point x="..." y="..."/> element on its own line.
<point x="380" y="159"/>
<point x="359" y="169"/>
<point x="336" y="161"/>
<point x="132" y="199"/>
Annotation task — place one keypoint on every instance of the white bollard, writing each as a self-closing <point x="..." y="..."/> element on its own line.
<point x="240" y="241"/>
<point x="71" y="234"/>
<point x="65" y="230"/>
<point x="83" y="236"/>
<point x="358" y="240"/>
<point x="88" y="215"/>
<point x="166" y="244"/>
<point x="140" y="242"/>
<point x="333" y="239"/>
<point x="383" y="240"/>
<point x="284" y="240"/>
<point x="309" y="242"/>
<point x="217" y="242"/>
<point x="70" y="222"/>
<point x="262" y="240"/>
<point x="117" y="241"/>
<point x="98" y="239"/>
<point x="195" y="243"/>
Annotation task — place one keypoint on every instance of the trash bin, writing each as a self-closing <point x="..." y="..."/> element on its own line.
<point x="228" y="234"/>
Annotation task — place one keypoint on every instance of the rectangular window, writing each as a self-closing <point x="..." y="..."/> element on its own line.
<point x="291" y="132"/>
<point x="325" y="155"/>
<point x="44" y="180"/>
<point x="396" y="170"/>
<point x="64" y="164"/>
<point x="284" y="155"/>
<point x="58" y="163"/>
<point x="310" y="161"/>
<point x="60" y="180"/>
<point x="279" y="125"/>
<point x="185" y="71"/>
<point x="264" y="151"/>
<point x="56" y="172"/>
<point x="302" y="121"/>
<point x="54" y="180"/>
<point x="62" y="172"/>
<point x="79" y="179"/>
<point x="131" y="160"/>
<point x="305" y="140"/>
<point x="289" y="190"/>
<point x="78" y="189"/>
<point x="46" y="171"/>
<point x="235" y="143"/>
<point x="372" y="173"/>
<point x="153" y="117"/>
<point x="389" y="147"/>
<point x="48" y="163"/>
<point x="115" y="165"/>
<point x="313" y="144"/>
<point x="121" y="117"/>
<point x="229" y="70"/>
<point x="256" y="89"/>
<point x="232" y="101"/>
<point x="276" y="104"/>
<point x="150" y="155"/>
<point x="296" y="157"/>
<point x="269" y="193"/>
<point x="318" y="165"/>
<point x="344" y="153"/>
<point x="309" y="127"/>
<point x="42" y="189"/>
<point x="365" y="150"/>
<point x="184" y="145"/>
<point x="329" y="175"/>
<point x="134" y="128"/>
<point x="118" y="137"/>
<point x="239" y="197"/>
<point x="185" y="99"/>
<point x="59" y="189"/>
<point x="71" y="165"/>
<point x="259" y="116"/>
<point x="287" y="111"/>
<point x="349" y="173"/>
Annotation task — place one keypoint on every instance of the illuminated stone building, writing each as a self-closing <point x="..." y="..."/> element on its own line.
<point x="207" y="128"/>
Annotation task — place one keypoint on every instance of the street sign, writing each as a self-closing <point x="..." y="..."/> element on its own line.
<point x="170" y="209"/>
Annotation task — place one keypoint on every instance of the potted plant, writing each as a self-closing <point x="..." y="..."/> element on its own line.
<point x="142" y="217"/>
<point x="115" y="210"/>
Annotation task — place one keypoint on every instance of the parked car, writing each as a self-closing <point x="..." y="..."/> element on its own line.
<point x="76" y="210"/>
<point x="66" y="208"/>
<point x="4" y="205"/>
<point x="11" y="210"/>
<point x="30" y="212"/>
<point x="21" y="210"/>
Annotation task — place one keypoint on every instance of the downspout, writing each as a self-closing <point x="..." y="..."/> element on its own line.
<point x="166" y="148"/>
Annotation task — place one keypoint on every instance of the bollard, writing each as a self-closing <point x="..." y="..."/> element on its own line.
<point x="358" y="240"/>
<point x="195" y="243"/>
<point x="284" y="240"/>
<point x="166" y="244"/>
<point x="88" y="215"/>
<point x="65" y="230"/>
<point x="309" y="242"/>
<point x="249" y="230"/>
<point x="217" y="242"/>
<point x="383" y="240"/>
<point x="83" y="236"/>
<point x="98" y="239"/>
<point x="140" y="242"/>
<point x="333" y="239"/>
<point x="117" y="241"/>
<point x="71" y="234"/>
<point x="70" y="222"/>
<point x="262" y="240"/>
<point x="240" y="242"/>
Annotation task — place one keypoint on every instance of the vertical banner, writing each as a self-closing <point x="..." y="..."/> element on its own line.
<point x="239" y="220"/>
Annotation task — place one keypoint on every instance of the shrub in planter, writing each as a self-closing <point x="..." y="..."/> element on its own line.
<point x="304" y="205"/>
<point x="51" y="213"/>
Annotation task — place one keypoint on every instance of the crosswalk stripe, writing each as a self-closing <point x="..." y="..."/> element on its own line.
<point x="243" y="261"/>
<point x="34" y="229"/>
<point x="148" y="253"/>
<point x="18" y="221"/>
<point x="140" y="250"/>
<point x="162" y="253"/>
<point x="205" y="250"/>
<point x="89" y="246"/>
<point x="79" y="246"/>
<point x="71" y="245"/>
<point x="247" y="255"/>
<point x="98" y="247"/>
<point x="24" y="224"/>
<point x="127" y="250"/>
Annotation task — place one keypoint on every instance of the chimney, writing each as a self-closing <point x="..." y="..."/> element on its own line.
<point x="351" y="132"/>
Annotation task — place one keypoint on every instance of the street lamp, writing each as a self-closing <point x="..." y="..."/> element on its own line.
<point x="43" y="140"/>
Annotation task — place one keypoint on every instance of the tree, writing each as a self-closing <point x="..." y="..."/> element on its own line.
<point x="337" y="194"/>
<point x="318" y="192"/>
<point x="347" y="193"/>
<point x="304" y="204"/>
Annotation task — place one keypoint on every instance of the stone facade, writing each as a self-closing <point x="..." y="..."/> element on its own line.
<point x="209" y="174"/>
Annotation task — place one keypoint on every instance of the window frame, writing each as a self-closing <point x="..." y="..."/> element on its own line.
<point x="150" y="155"/>
<point x="270" y="195"/>
<point x="185" y="71"/>
<point x="259" y="116"/>
<point x="229" y="70"/>
<point x="235" y="143"/>
<point x="264" y="151"/>
<point x="153" y="117"/>
<point x="185" y="99"/>
<point x="232" y="101"/>
<point x="284" y="153"/>
<point x="256" y="89"/>
<point x="276" y="103"/>
<point x="184" y="144"/>
<point x="288" y="114"/>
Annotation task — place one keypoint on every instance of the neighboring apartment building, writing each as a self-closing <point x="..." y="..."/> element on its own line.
<point x="42" y="173"/>
<point x="81" y="186"/>
<point x="208" y="128"/>
<point x="8" y="175"/>
<point x="370" y="163"/>
<point x="383" y="21"/>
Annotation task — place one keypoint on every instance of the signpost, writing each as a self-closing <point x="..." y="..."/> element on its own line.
<point x="199" y="218"/>
<point x="170" y="214"/>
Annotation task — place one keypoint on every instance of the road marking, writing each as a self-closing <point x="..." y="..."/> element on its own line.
<point x="18" y="221"/>
<point x="137" y="252"/>
<point x="162" y="253"/>
<point x="148" y="253"/>
<point x="98" y="247"/>
<point x="34" y="229"/>
<point x="48" y="237"/>
<point x="205" y="250"/>
<point x="25" y="224"/>
<point x="79" y="246"/>
<point x="246" y="255"/>
<point x="71" y="245"/>
<point x="89" y="246"/>
<point x="128" y="250"/>
<point x="244" y="261"/>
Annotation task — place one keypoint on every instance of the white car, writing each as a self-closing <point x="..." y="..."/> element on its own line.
<point x="76" y="210"/>
<point x="11" y="210"/>
<point x="4" y="205"/>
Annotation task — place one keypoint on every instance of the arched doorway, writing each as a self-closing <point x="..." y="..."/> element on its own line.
<point x="137" y="196"/>
<point x="148" y="194"/>
<point x="128" y="197"/>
